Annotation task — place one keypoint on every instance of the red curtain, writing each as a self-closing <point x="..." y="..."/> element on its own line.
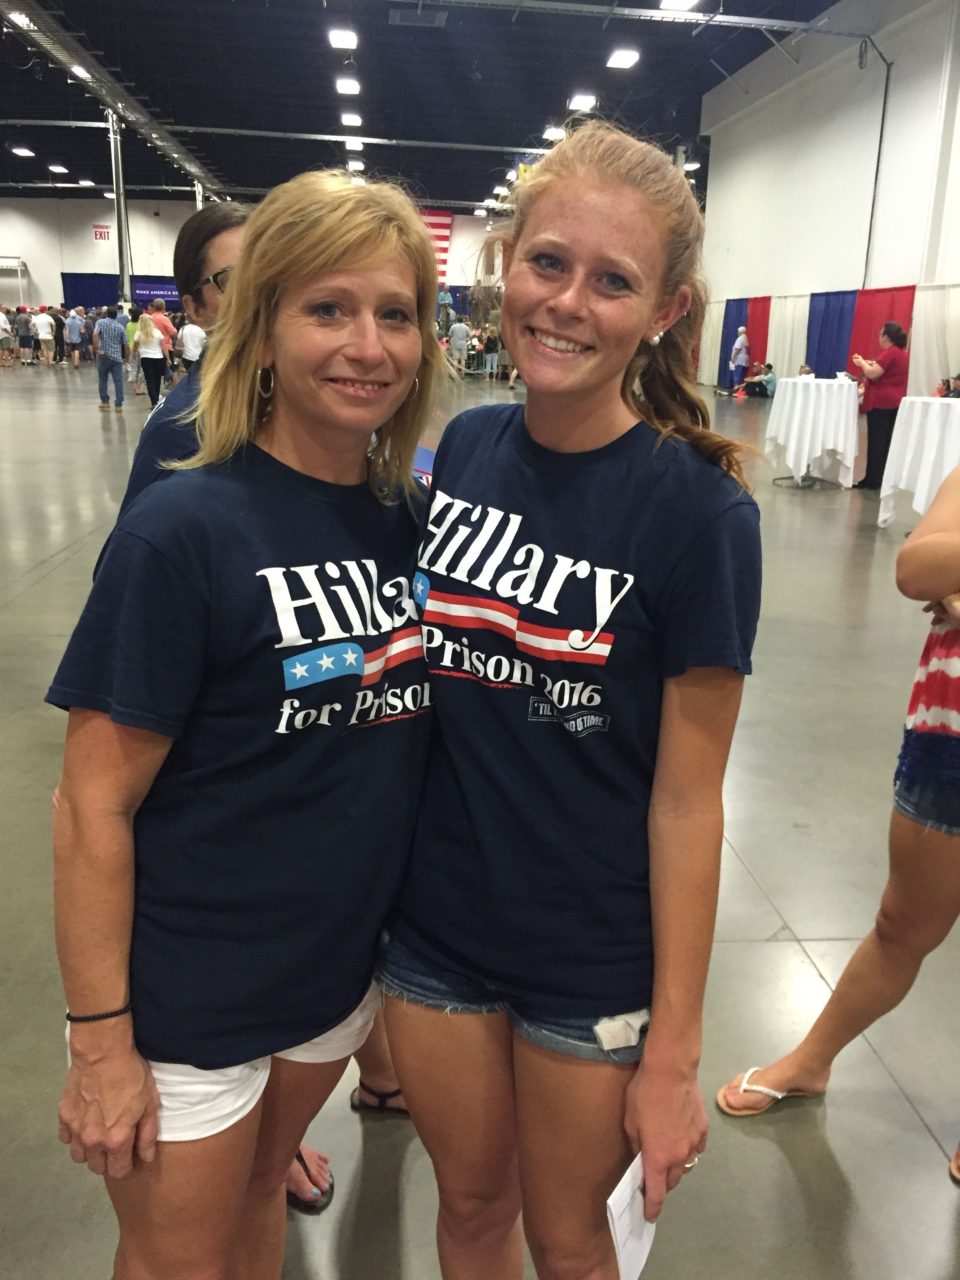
<point x="758" y="326"/>
<point x="874" y="308"/>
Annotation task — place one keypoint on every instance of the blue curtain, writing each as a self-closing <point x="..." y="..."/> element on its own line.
<point x="828" y="331"/>
<point x="734" y="315"/>
<point x="89" y="289"/>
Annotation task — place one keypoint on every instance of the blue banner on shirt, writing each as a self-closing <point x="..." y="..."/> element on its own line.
<point x="421" y="589"/>
<point x="317" y="665"/>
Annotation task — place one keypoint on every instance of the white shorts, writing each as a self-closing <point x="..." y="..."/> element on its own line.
<point x="197" y="1104"/>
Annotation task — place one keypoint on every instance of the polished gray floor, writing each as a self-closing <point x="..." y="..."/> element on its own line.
<point x="855" y="1186"/>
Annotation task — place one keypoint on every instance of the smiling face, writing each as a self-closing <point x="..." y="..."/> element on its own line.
<point x="583" y="289"/>
<point x="345" y="349"/>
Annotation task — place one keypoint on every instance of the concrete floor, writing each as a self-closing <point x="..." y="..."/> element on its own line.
<point x="855" y="1186"/>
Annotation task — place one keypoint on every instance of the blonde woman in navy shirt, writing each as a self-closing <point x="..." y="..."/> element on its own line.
<point x="589" y="580"/>
<point x="247" y="733"/>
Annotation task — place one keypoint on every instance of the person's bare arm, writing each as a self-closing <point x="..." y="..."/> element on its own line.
<point x="928" y="563"/>
<point x="108" y="1110"/>
<point x="665" y="1116"/>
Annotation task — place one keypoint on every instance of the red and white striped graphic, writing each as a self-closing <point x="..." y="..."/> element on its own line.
<point x="550" y="643"/>
<point x="935" y="701"/>
<point x="401" y="647"/>
<point x="439" y="224"/>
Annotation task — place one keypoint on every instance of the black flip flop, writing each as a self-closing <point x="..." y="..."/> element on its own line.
<point x="378" y="1108"/>
<point x="316" y="1204"/>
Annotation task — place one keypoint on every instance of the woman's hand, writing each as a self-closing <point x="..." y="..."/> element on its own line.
<point x="665" y="1119"/>
<point x="108" y="1113"/>
<point x="946" y="610"/>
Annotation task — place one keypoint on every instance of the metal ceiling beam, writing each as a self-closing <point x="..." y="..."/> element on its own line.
<point x="31" y="23"/>
<point x="605" y="13"/>
<point x="505" y="149"/>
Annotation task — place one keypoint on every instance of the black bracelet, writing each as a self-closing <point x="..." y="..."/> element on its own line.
<point x="98" y="1017"/>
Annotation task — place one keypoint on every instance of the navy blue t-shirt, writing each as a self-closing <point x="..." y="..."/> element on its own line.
<point x="559" y="591"/>
<point x="166" y="436"/>
<point x="263" y="620"/>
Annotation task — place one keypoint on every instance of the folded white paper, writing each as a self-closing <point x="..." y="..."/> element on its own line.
<point x="632" y="1234"/>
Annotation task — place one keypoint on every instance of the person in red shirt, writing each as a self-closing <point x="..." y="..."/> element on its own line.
<point x="168" y="332"/>
<point x="886" y="385"/>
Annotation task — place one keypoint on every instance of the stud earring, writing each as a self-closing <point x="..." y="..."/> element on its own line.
<point x="655" y="340"/>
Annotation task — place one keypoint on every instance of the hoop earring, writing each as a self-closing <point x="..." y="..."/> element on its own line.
<point x="412" y="395"/>
<point x="655" y="340"/>
<point x="266" y="391"/>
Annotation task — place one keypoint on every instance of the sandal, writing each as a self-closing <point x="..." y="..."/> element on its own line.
<point x="316" y="1204"/>
<point x="774" y="1096"/>
<point x="379" y="1108"/>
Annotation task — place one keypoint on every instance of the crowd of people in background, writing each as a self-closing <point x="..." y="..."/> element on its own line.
<point x="154" y="349"/>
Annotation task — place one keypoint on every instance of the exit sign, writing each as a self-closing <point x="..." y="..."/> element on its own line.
<point x="101" y="231"/>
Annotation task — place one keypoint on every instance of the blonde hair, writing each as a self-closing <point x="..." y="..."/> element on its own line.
<point x="316" y="223"/>
<point x="660" y="382"/>
<point x="147" y="331"/>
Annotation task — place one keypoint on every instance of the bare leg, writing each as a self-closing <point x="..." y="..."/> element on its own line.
<point x="179" y="1216"/>
<point x="573" y="1152"/>
<point x="294" y="1094"/>
<point x="920" y="905"/>
<point x="376" y="1066"/>
<point x="457" y="1076"/>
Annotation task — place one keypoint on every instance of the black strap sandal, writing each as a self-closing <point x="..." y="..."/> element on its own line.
<point x="316" y="1204"/>
<point x="380" y="1107"/>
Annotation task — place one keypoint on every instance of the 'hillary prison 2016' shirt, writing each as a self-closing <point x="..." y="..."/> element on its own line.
<point x="263" y="620"/>
<point x="559" y="592"/>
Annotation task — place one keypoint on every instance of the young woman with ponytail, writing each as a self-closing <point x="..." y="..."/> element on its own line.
<point x="589" y="580"/>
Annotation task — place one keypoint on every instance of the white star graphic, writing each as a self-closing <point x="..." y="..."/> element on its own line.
<point x="418" y="589"/>
<point x="299" y="670"/>
<point x="351" y="657"/>
<point x="326" y="662"/>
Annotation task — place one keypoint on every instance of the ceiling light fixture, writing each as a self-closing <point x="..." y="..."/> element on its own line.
<point x="490" y="203"/>
<point x="353" y="144"/>
<point x="692" y="166"/>
<point x="511" y="175"/>
<point x="21" y="151"/>
<point x="501" y="191"/>
<point x="582" y="102"/>
<point x="57" y="168"/>
<point x="356" y="166"/>
<point x="85" y="182"/>
<point x="351" y="120"/>
<point x="341" y="38"/>
<point x="22" y="21"/>
<point x="553" y="133"/>
<point x="624" y="59"/>
<point x="80" y="72"/>
<point x="683" y="6"/>
<point x="358" y="182"/>
<point x="347" y="86"/>
<point x="479" y="213"/>
<point x="110" y="195"/>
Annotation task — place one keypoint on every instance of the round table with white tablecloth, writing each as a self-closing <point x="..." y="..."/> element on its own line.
<point x="924" y="450"/>
<point x="816" y="423"/>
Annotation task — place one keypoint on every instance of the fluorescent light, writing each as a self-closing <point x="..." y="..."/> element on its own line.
<point x="351" y="120"/>
<point x="341" y="38"/>
<point x="623" y="59"/>
<point x="682" y="5"/>
<point x="21" y="151"/>
<point x="110" y="195"/>
<point x="500" y="191"/>
<point x="356" y="166"/>
<point x="85" y="182"/>
<point x="511" y="175"/>
<point x="553" y="133"/>
<point x="57" y="168"/>
<point x="353" y="144"/>
<point x="582" y="102"/>
<point x="479" y="213"/>
<point x="490" y="203"/>
<point x="692" y="166"/>
<point x="347" y="86"/>
<point x="22" y="21"/>
<point x="80" y="72"/>
<point x="358" y="182"/>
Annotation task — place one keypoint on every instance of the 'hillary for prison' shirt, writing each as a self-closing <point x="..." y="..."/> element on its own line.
<point x="263" y="620"/>
<point x="558" y="592"/>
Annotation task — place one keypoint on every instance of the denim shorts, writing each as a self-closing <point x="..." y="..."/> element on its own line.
<point x="933" y="803"/>
<point x="409" y="975"/>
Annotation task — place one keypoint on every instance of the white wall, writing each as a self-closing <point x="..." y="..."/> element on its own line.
<point x="467" y="237"/>
<point x="793" y="160"/>
<point x="58" y="235"/>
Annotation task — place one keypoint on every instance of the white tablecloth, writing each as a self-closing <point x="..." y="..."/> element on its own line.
<point x="815" y="421"/>
<point x="924" y="450"/>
